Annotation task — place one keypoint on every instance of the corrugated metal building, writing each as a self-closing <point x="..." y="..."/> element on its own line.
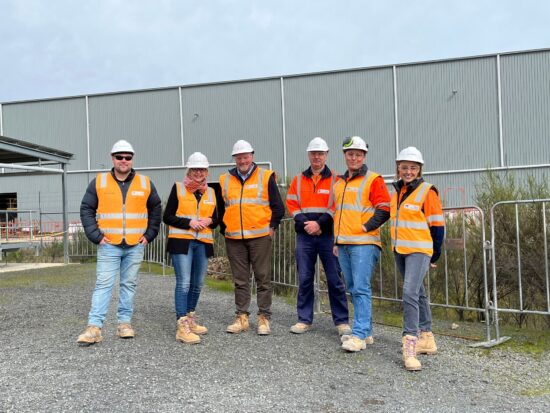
<point x="464" y="114"/>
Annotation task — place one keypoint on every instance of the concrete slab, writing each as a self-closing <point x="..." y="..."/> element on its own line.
<point x="25" y="266"/>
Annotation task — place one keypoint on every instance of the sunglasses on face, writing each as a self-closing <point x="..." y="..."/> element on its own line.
<point x="125" y="157"/>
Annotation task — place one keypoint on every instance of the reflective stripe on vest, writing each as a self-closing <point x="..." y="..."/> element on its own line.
<point x="247" y="210"/>
<point x="190" y="208"/>
<point x="353" y="209"/>
<point x="410" y="232"/>
<point x="122" y="220"/>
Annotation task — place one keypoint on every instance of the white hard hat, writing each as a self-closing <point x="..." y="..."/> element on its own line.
<point x="122" y="146"/>
<point x="410" y="154"/>
<point x="317" y="145"/>
<point x="241" y="146"/>
<point x="355" y="142"/>
<point x="197" y="160"/>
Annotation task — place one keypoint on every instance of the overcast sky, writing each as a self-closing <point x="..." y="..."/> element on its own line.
<point x="52" y="48"/>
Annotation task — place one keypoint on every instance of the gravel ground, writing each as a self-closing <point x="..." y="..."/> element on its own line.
<point x="43" y="369"/>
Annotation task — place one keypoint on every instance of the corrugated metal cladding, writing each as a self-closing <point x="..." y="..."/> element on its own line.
<point x="59" y="123"/>
<point x="525" y="80"/>
<point x="337" y="105"/>
<point x="216" y="116"/>
<point x="149" y="120"/>
<point x="449" y="110"/>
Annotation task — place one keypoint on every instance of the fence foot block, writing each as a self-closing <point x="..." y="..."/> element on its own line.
<point x="490" y="343"/>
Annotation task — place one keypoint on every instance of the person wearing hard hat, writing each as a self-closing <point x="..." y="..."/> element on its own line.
<point x="191" y="216"/>
<point x="310" y="200"/>
<point x="417" y="232"/>
<point x="252" y="211"/>
<point x="121" y="212"/>
<point x="362" y="206"/>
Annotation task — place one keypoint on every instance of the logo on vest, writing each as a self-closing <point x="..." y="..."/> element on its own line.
<point x="138" y="193"/>
<point x="352" y="189"/>
<point x="251" y="186"/>
<point x="411" y="207"/>
<point x="323" y="191"/>
<point x="209" y="202"/>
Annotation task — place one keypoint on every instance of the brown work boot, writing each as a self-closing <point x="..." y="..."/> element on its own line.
<point x="184" y="333"/>
<point x="90" y="336"/>
<point x="195" y="328"/>
<point x="263" y="325"/>
<point x="125" y="330"/>
<point x="409" y="353"/>
<point x="426" y="343"/>
<point x="241" y="324"/>
<point x="353" y="344"/>
<point x="368" y="341"/>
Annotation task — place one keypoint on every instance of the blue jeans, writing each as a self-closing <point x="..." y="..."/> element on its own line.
<point x="416" y="306"/>
<point x="190" y="270"/>
<point x="357" y="263"/>
<point x="308" y="247"/>
<point x="112" y="260"/>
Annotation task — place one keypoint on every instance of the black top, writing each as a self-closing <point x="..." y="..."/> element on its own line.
<point x="179" y="245"/>
<point x="90" y="202"/>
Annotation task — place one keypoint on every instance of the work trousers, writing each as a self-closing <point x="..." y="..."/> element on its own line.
<point x="243" y="255"/>
<point x="308" y="248"/>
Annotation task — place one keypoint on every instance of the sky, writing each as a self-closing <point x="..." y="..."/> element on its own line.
<point x="53" y="48"/>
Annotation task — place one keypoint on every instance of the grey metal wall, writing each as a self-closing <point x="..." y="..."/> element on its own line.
<point x="451" y="110"/>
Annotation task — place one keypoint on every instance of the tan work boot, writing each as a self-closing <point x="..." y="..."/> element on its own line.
<point x="368" y="341"/>
<point x="240" y="324"/>
<point x="300" y="328"/>
<point x="426" y="343"/>
<point x="184" y="333"/>
<point x="195" y="328"/>
<point x="409" y="353"/>
<point x="90" y="336"/>
<point x="343" y="329"/>
<point x="353" y="343"/>
<point x="125" y="330"/>
<point x="263" y="325"/>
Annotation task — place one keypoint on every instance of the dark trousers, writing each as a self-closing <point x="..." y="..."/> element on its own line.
<point x="307" y="249"/>
<point x="243" y="254"/>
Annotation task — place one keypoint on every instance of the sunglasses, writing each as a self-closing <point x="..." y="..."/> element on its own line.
<point x="125" y="157"/>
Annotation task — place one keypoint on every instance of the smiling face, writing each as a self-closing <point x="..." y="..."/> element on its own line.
<point x="317" y="159"/>
<point x="244" y="162"/>
<point x="408" y="171"/>
<point x="123" y="162"/>
<point x="354" y="159"/>
<point x="197" y="174"/>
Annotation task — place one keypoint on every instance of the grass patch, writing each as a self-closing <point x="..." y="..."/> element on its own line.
<point x="65" y="276"/>
<point x="538" y="391"/>
<point x="225" y="286"/>
<point x="528" y="341"/>
<point x="156" y="269"/>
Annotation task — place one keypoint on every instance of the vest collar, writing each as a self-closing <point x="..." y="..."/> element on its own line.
<point x="325" y="173"/>
<point x="361" y="172"/>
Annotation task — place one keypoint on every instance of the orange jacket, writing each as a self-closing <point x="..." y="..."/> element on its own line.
<point x="312" y="200"/>
<point x="189" y="208"/>
<point x="118" y="219"/>
<point x="411" y="217"/>
<point x="354" y="208"/>
<point x="247" y="211"/>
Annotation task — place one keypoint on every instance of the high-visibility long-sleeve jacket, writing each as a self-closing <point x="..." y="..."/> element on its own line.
<point x="250" y="205"/>
<point x="361" y="200"/>
<point x="417" y="220"/>
<point x="311" y="198"/>
<point x="118" y="218"/>
<point x="189" y="208"/>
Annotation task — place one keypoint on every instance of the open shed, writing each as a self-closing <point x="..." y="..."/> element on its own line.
<point x="22" y="158"/>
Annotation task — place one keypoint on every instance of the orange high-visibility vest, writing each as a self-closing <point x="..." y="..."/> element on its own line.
<point x="120" y="220"/>
<point x="188" y="207"/>
<point x="304" y="196"/>
<point x="410" y="230"/>
<point x="353" y="209"/>
<point x="247" y="211"/>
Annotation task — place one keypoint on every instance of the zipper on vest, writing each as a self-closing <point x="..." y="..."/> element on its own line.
<point x="124" y="221"/>
<point x="341" y="211"/>
<point x="198" y="217"/>
<point x="241" y="209"/>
